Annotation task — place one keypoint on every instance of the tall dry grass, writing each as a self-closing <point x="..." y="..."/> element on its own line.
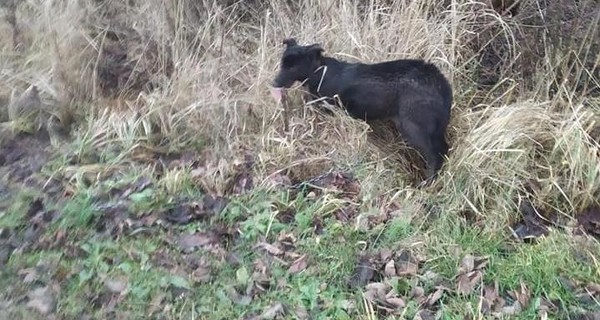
<point x="225" y="53"/>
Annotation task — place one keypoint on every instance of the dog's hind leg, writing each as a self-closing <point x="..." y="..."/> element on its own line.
<point x="418" y="136"/>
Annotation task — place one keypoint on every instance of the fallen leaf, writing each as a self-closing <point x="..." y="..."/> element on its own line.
<point x="237" y="298"/>
<point x="278" y="180"/>
<point x="467" y="282"/>
<point x="277" y="309"/>
<point x="35" y="207"/>
<point x="481" y="262"/>
<point x="201" y="274"/>
<point x="490" y="300"/>
<point x="301" y="313"/>
<point x="287" y="241"/>
<point x="363" y="273"/>
<point x="435" y="296"/>
<point x="241" y="183"/>
<point x="380" y="289"/>
<point x="188" y="242"/>
<point x="467" y="264"/>
<point x="214" y="205"/>
<point x="287" y="215"/>
<point x="406" y="265"/>
<point x="261" y="280"/>
<point x="589" y="221"/>
<point x="396" y="302"/>
<point x="430" y="276"/>
<point x="298" y="265"/>
<point x="184" y="213"/>
<point x="42" y="300"/>
<point x="512" y="310"/>
<point x="531" y="225"/>
<point x="271" y="249"/>
<point x="390" y="269"/>
<point x="385" y="254"/>
<point x="424" y="315"/>
<point x="523" y="296"/>
<point x="417" y="292"/>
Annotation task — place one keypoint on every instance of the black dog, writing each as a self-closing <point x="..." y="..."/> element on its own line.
<point x="413" y="93"/>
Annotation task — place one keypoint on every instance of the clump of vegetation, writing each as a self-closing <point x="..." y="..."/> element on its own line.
<point x="145" y="170"/>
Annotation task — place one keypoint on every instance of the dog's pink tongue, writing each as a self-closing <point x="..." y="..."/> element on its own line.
<point x="277" y="93"/>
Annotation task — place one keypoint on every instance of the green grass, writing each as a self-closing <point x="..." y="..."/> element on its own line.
<point x="131" y="159"/>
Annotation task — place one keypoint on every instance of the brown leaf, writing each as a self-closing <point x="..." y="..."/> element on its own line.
<point x="363" y="273"/>
<point x="593" y="289"/>
<point x="467" y="264"/>
<point x="589" y="221"/>
<point x="396" y="302"/>
<point x="417" y="292"/>
<point x="287" y="215"/>
<point x="467" y="282"/>
<point x="185" y="213"/>
<point x="531" y="225"/>
<point x="407" y="265"/>
<point x="301" y="313"/>
<point x="480" y="263"/>
<point x="271" y="249"/>
<point x="241" y="183"/>
<point x="523" y="296"/>
<point x="278" y="180"/>
<point x="435" y="297"/>
<point x="385" y="254"/>
<point x="546" y="306"/>
<point x="287" y="241"/>
<point x="491" y="301"/>
<point x="277" y="309"/>
<point x="35" y="207"/>
<point x="377" y="290"/>
<point x="298" y="265"/>
<point x="201" y="274"/>
<point x="390" y="269"/>
<point x="188" y="242"/>
<point x="512" y="310"/>
<point x="424" y="315"/>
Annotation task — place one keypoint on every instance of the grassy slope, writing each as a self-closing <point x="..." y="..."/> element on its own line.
<point x="105" y="252"/>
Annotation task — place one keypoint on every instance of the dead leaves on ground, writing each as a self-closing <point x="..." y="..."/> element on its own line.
<point x="391" y="279"/>
<point x="535" y="222"/>
<point x="470" y="273"/>
<point x="283" y="252"/>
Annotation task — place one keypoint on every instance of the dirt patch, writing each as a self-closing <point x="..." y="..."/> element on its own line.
<point x="24" y="155"/>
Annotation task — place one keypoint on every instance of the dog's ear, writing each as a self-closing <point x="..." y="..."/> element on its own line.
<point x="315" y="49"/>
<point x="290" y="42"/>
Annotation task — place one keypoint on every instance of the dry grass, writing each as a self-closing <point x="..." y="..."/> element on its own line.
<point x="217" y="95"/>
<point x="536" y="127"/>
